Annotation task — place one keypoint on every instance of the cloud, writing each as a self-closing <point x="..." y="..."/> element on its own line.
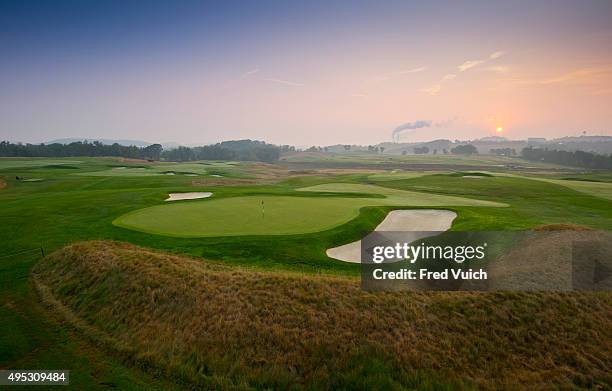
<point x="498" y="69"/>
<point x="285" y="82"/>
<point x="359" y="95"/>
<point x="580" y="76"/>
<point x="249" y="73"/>
<point x="387" y="76"/>
<point x="413" y="70"/>
<point x="433" y="90"/>
<point x="436" y="88"/>
<point x="469" y="64"/>
<point x="596" y="77"/>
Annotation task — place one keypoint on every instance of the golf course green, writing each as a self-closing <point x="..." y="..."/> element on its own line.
<point x="277" y="215"/>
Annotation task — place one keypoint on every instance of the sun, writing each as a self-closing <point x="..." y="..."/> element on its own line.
<point x="499" y="129"/>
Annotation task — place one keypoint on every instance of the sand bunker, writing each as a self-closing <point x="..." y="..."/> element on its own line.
<point x="414" y="220"/>
<point x="472" y="176"/>
<point x="188" y="196"/>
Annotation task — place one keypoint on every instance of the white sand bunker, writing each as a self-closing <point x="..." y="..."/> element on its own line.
<point x="472" y="176"/>
<point x="415" y="220"/>
<point x="188" y="196"/>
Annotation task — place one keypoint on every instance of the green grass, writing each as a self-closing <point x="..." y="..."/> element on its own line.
<point x="190" y="169"/>
<point x="7" y="163"/>
<point x="532" y="202"/>
<point x="280" y="215"/>
<point x="396" y="197"/>
<point x="372" y="159"/>
<point x="597" y="189"/>
<point x="66" y="208"/>
<point x="243" y="216"/>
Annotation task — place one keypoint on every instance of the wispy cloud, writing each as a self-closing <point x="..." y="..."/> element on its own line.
<point x="498" y="69"/>
<point x="469" y="64"/>
<point x="580" y="76"/>
<point x="436" y="88"/>
<point x="413" y="70"/>
<point x="387" y="76"/>
<point x="285" y="82"/>
<point x="473" y="63"/>
<point x="433" y="90"/>
<point x="586" y="76"/>
<point x="249" y="73"/>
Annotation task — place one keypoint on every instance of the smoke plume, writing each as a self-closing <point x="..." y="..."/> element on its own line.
<point x="409" y="126"/>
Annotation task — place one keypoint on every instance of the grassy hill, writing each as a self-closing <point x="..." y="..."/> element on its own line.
<point x="220" y="326"/>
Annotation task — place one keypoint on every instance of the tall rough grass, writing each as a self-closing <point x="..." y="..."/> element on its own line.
<point x="215" y="326"/>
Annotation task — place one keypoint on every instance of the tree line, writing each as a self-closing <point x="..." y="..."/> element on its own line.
<point x="78" y="148"/>
<point x="575" y="158"/>
<point x="247" y="150"/>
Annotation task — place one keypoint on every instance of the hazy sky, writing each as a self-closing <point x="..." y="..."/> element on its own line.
<point x="304" y="72"/>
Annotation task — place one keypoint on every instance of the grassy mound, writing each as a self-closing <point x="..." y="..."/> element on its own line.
<point x="562" y="227"/>
<point x="225" y="327"/>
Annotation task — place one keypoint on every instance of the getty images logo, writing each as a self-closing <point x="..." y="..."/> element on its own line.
<point x="404" y="251"/>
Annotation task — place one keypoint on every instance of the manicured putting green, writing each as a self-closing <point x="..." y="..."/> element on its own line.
<point x="243" y="216"/>
<point x="280" y="215"/>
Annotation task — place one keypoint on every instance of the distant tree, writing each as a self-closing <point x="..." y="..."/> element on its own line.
<point x="421" y="150"/>
<point x="347" y="147"/>
<point x="382" y="150"/>
<point x="404" y="152"/>
<point x="576" y="158"/>
<point x="445" y="151"/>
<point x="435" y="151"/>
<point x="467" y="149"/>
<point x="78" y="148"/>
<point x="152" y="152"/>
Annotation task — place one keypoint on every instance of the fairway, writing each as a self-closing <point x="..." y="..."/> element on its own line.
<point x="399" y="197"/>
<point x="193" y="169"/>
<point x="6" y="163"/>
<point x="280" y="215"/>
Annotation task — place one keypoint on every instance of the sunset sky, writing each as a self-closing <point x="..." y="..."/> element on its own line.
<point x="303" y="73"/>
